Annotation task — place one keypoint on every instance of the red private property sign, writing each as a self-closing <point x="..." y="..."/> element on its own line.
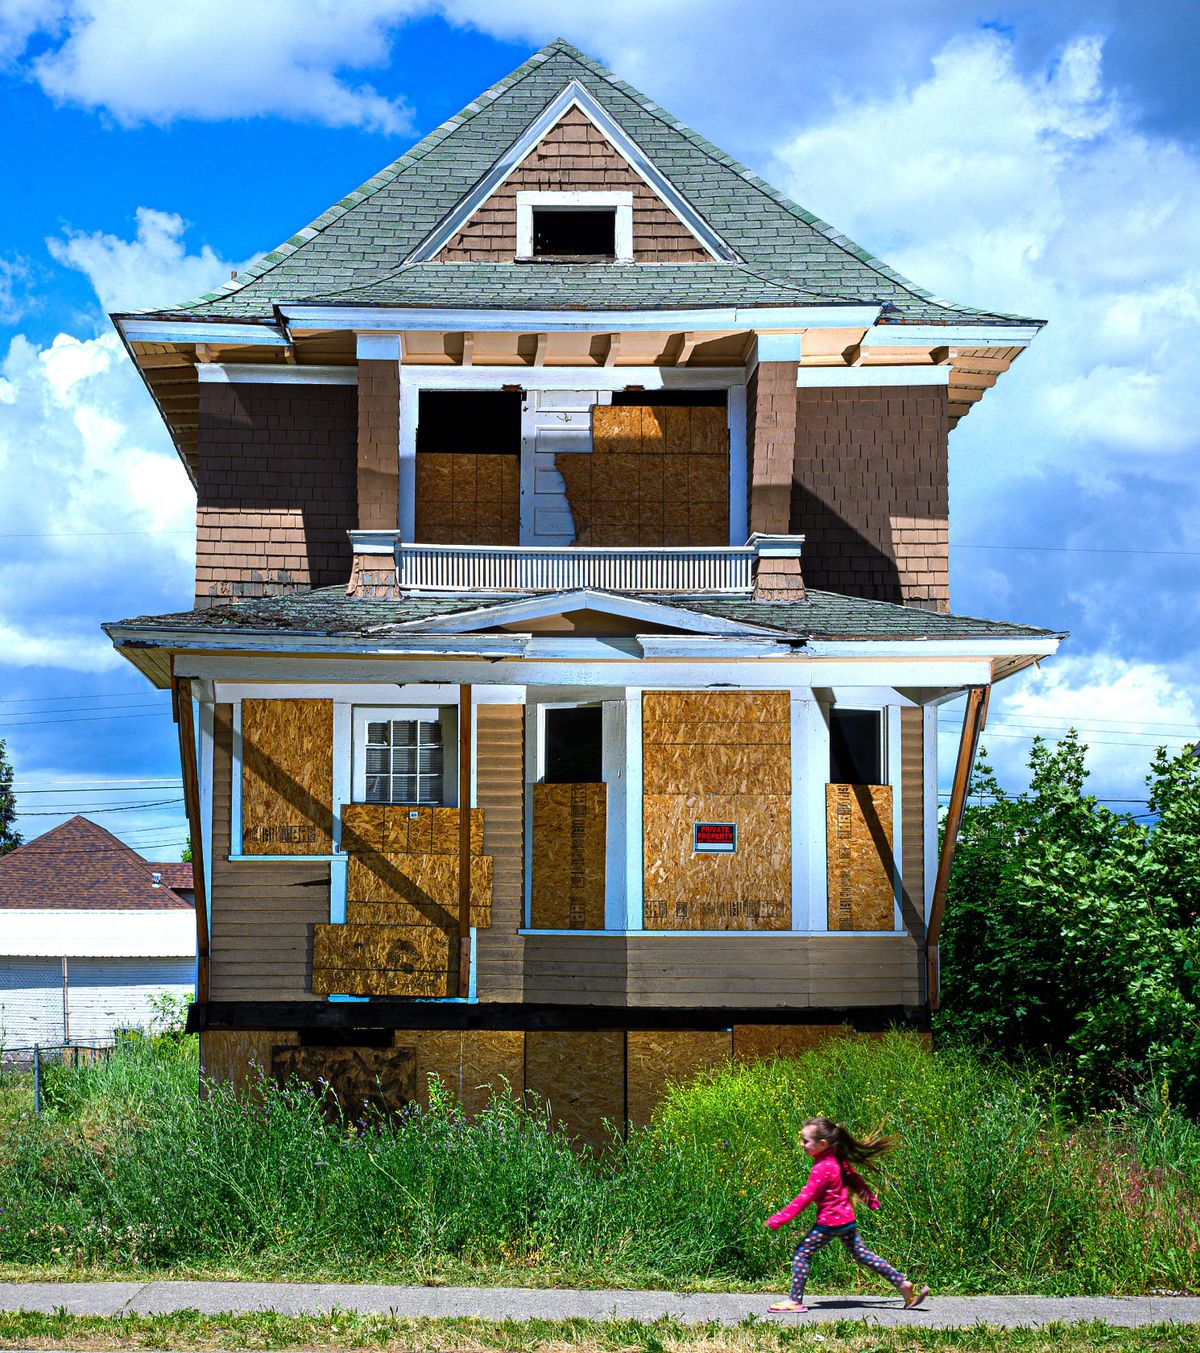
<point x="714" y="838"/>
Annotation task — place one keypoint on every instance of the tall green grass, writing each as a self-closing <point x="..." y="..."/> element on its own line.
<point x="993" y="1190"/>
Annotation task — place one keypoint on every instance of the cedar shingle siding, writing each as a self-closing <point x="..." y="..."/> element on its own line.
<point x="870" y="492"/>
<point x="276" y="488"/>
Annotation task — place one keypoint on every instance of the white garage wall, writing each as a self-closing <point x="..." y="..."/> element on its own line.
<point x="31" y="1004"/>
<point x="107" y="994"/>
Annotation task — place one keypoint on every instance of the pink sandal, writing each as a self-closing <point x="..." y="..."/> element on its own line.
<point x="787" y="1305"/>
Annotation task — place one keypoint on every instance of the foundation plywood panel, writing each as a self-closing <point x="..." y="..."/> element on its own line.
<point x="581" y="1076"/>
<point x="858" y="824"/>
<point x="474" y="1064"/>
<point x="287" y="777"/>
<point x="569" y="844"/>
<point x="239" y="1055"/>
<point x="350" y="1081"/>
<point x="655" y="1060"/>
<point x="760" y="1042"/>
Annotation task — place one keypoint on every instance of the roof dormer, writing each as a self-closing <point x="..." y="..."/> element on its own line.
<point x="574" y="188"/>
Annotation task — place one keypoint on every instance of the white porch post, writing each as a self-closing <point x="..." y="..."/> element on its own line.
<point x="633" y="919"/>
<point x="342" y="793"/>
<point x="616" y="778"/>
<point x="895" y="778"/>
<point x="407" y="467"/>
<point x="810" y="772"/>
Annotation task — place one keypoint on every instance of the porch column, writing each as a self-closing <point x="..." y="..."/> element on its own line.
<point x="771" y="446"/>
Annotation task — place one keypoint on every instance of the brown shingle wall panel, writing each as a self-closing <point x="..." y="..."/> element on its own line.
<point x="378" y="445"/>
<point x="276" y="488"/>
<point x="870" y="492"/>
<point x="573" y="156"/>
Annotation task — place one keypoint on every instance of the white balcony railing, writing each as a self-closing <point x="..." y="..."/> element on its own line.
<point x="561" y="568"/>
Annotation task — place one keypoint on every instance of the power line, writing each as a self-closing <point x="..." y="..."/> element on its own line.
<point x="33" y="715"/>
<point x="121" y="808"/>
<point x="99" y="789"/>
<point x="50" y="786"/>
<point x="91" y="695"/>
<point x="104" y="718"/>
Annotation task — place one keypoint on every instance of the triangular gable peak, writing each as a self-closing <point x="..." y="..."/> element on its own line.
<point x="584" y="607"/>
<point x="574" y="147"/>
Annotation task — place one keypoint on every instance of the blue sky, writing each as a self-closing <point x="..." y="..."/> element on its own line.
<point x="1041" y="158"/>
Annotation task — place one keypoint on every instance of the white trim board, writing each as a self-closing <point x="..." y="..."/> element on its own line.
<point x="822" y="377"/>
<point x="192" y="331"/>
<point x="555" y="377"/>
<point x="252" y="373"/>
<point x="393" y="319"/>
<point x="572" y="95"/>
<point x="950" y="335"/>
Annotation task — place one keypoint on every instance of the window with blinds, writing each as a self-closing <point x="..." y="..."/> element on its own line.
<point x="405" y="761"/>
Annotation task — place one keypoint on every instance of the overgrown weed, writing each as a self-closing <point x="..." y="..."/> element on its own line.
<point x="129" y="1171"/>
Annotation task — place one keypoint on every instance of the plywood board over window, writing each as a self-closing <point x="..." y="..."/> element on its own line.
<point x="656" y="476"/>
<point x="717" y="757"/>
<point x="287" y="777"/>
<point x="569" y="839"/>
<point x="858" y="824"/>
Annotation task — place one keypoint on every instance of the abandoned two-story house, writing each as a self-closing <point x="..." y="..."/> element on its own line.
<point x="558" y="704"/>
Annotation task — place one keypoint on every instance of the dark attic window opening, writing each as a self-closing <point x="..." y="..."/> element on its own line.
<point x="458" y="421"/>
<point x="691" y="399"/>
<point x="586" y="236"/>
<point x="573" y="746"/>
<point x="855" y="747"/>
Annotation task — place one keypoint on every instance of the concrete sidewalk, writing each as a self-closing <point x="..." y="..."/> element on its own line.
<point x="524" y="1303"/>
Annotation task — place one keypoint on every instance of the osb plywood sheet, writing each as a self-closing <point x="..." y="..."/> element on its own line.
<point x="287" y="777"/>
<point x="656" y="476"/>
<point x="468" y="499"/>
<point x="233" y="1055"/>
<point x="581" y="1076"/>
<point x="385" y="948"/>
<point x="657" y="1059"/>
<point x="473" y="1063"/>
<point x="427" y="884"/>
<point x="569" y="841"/>
<point x="749" y="889"/>
<point x="358" y="1079"/>
<point x="404" y="913"/>
<point x="858" y="828"/>
<point x="715" y="707"/>
<point x="401" y="829"/>
<point x="717" y="756"/>
<point x="760" y="1042"/>
<point x="716" y="768"/>
<point x="361" y="982"/>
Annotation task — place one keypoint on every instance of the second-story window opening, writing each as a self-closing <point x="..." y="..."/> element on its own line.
<point x="855" y="747"/>
<point x="458" y="422"/>
<point x="575" y="234"/>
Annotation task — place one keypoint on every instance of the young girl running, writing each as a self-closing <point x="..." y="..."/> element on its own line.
<point x="834" y="1153"/>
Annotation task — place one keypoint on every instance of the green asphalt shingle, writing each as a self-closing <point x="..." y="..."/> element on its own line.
<point x="328" y="611"/>
<point x="354" y="253"/>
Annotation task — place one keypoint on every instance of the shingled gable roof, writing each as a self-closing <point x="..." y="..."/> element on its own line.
<point x="78" y="866"/>
<point x="356" y="252"/>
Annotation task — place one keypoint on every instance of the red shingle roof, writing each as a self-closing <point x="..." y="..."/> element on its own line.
<point x="80" y="865"/>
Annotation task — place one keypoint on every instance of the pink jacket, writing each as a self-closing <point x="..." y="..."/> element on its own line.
<point x="829" y="1186"/>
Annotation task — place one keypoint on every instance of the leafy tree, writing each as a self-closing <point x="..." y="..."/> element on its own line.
<point x="186" y="857"/>
<point x="1071" y="929"/>
<point x="10" y="838"/>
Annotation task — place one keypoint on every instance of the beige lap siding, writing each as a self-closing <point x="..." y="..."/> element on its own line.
<point x="739" y="971"/>
<point x="262" y="911"/>
<point x="276" y="488"/>
<point x="870" y="492"/>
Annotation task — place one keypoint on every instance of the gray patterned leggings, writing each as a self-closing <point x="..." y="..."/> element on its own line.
<point x="848" y="1235"/>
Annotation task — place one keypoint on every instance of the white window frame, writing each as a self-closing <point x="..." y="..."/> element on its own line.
<point x="620" y="202"/>
<point x="447" y="716"/>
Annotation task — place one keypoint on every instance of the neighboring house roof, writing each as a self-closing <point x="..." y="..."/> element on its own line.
<point x="356" y="252"/>
<point x="328" y="611"/>
<point x="78" y="866"/>
<point x="176" y="874"/>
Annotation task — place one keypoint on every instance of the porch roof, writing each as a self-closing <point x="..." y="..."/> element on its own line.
<point x="330" y="612"/>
